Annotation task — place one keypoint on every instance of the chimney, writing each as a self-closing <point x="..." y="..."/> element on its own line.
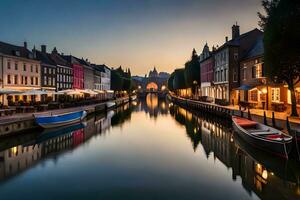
<point x="43" y="48"/>
<point x="235" y="31"/>
<point x="25" y="45"/>
<point x="226" y="39"/>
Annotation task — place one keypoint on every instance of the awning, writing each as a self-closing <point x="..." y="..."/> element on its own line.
<point x="99" y="91"/>
<point x="69" y="92"/>
<point x="9" y="91"/>
<point x="244" y="87"/>
<point x="34" y="92"/>
<point x="88" y="91"/>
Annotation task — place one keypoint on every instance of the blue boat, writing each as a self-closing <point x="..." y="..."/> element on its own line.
<point x="51" y="121"/>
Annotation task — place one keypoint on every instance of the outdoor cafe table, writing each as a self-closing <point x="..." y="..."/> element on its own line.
<point x="43" y="107"/>
<point x="24" y="109"/>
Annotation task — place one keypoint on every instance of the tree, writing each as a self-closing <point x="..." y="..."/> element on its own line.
<point x="192" y="71"/>
<point x="170" y="82"/>
<point x="281" y="25"/>
<point x="116" y="81"/>
<point x="179" y="79"/>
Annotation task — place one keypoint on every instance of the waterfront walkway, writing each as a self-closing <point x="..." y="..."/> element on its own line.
<point x="27" y="116"/>
<point x="260" y="112"/>
<point x="257" y="114"/>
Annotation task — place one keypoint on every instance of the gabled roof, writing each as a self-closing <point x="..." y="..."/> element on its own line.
<point x="13" y="50"/>
<point x="45" y="58"/>
<point x="58" y="59"/>
<point x="236" y="41"/>
<point x="70" y="59"/>
<point x="256" y="50"/>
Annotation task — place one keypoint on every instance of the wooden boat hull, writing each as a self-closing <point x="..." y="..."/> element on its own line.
<point x="278" y="148"/>
<point x="60" y="120"/>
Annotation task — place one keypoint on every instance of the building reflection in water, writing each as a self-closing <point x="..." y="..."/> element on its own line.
<point x="54" y="142"/>
<point x="153" y="105"/>
<point x="265" y="175"/>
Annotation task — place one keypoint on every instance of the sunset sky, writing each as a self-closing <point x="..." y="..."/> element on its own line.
<point x="138" y="34"/>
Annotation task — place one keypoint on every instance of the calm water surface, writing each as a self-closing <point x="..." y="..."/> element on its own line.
<point x="150" y="149"/>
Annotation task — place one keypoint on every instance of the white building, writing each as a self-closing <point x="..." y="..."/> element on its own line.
<point x="20" y="71"/>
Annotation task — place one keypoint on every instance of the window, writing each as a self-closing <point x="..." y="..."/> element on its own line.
<point x="254" y="72"/>
<point x="45" y="80"/>
<point x="16" y="79"/>
<point x="24" y="67"/>
<point x="236" y="56"/>
<point x="36" y="80"/>
<point x="22" y="80"/>
<point x="31" y="68"/>
<point x="234" y="75"/>
<point x="275" y="94"/>
<point x="8" y="64"/>
<point x="8" y="79"/>
<point x="53" y="81"/>
<point x="244" y="73"/>
<point x="31" y="81"/>
<point x="259" y="70"/>
<point x="49" y="81"/>
<point x="253" y="95"/>
<point x="221" y="75"/>
<point x="16" y="65"/>
<point x="26" y="80"/>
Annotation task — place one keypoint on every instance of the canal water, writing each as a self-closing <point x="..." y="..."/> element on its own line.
<point x="150" y="149"/>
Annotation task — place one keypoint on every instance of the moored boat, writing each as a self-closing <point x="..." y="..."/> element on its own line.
<point x="51" y="121"/>
<point x="263" y="137"/>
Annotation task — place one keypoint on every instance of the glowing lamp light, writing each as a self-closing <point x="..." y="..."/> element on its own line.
<point x="265" y="174"/>
<point x="163" y="87"/>
<point x="264" y="90"/>
<point x="139" y="87"/>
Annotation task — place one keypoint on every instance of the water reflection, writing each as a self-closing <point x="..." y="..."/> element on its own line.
<point x="52" y="143"/>
<point x="153" y="106"/>
<point x="178" y="155"/>
<point x="268" y="177"/>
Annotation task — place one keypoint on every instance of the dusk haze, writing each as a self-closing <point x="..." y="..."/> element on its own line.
<point x="150" y="99"/>
<point x="133" y="33"/>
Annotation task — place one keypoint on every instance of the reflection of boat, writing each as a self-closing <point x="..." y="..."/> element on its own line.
<point x="263" y="137"/>
<point x="110" y="104"/>
<point x="284" y="170"/>
<point x="55" y="132"/>
<point x="50" y="121"/>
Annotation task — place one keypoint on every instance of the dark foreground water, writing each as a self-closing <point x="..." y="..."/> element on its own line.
<point x="150" y="149"/>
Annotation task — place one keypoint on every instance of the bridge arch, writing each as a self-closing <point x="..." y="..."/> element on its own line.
<point x="152" y="86"/>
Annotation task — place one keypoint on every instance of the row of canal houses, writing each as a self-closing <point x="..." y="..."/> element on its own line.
<point x="25" y="70"/>
<point x="234" y="74"/>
